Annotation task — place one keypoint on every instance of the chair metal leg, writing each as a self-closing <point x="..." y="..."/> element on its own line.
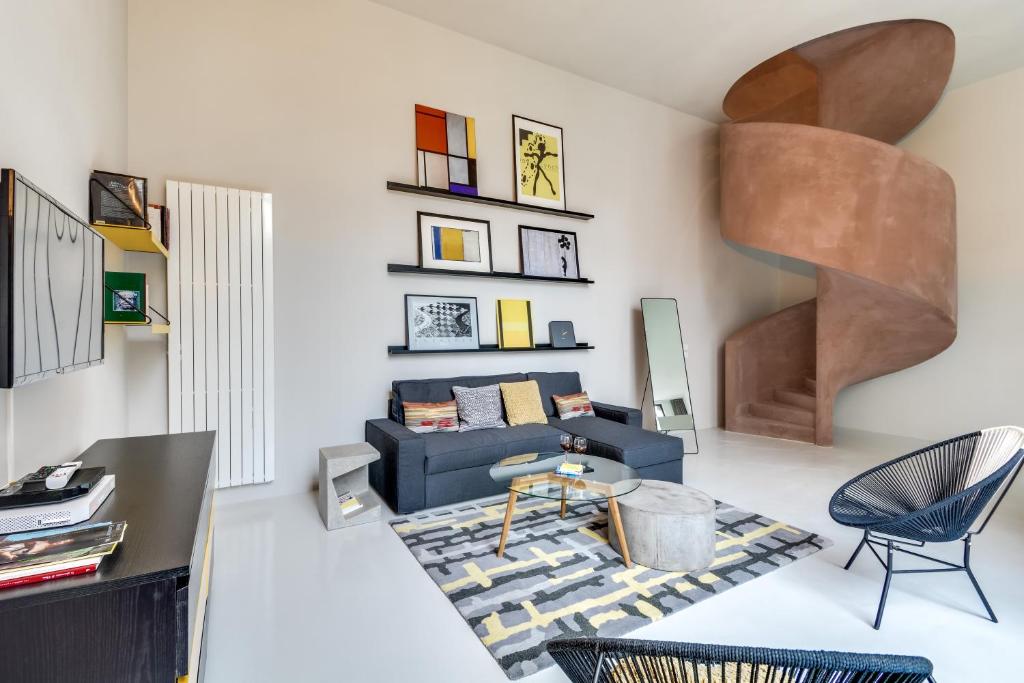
<point x="885" y="586"/>
<point x="974" y="580"/>
<point x="863" y="542"/>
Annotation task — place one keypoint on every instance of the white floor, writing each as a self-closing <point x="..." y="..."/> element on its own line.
<point x="293" y="602"/>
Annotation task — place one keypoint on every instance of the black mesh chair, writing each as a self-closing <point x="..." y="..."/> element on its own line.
<point x="611" y="660"/>
<point x="934" y="495"/>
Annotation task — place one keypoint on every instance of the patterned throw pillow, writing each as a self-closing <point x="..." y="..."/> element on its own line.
<point x="522" y="403"/>
<point x="479" y="407"/>
<point x="424" y="418"/>
<point x="573" y="405"/>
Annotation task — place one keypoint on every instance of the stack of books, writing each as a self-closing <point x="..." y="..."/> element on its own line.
<point x="568" y="469"/>
<point x="35" y="556"/>
<point x="348" y="503"/>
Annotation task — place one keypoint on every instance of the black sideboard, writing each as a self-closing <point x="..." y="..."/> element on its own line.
<point x="140" y="617"/>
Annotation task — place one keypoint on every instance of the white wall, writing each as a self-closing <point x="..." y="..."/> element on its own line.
<point x="313" y="102"/>
<point x="61" y="115"/>
<point x="976" y="135"/>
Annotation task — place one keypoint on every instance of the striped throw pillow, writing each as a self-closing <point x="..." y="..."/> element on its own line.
<point x="573" y="405"/>
<point x="424" y="418"/>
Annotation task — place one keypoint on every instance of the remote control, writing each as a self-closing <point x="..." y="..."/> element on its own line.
<point x="59" y="478"/>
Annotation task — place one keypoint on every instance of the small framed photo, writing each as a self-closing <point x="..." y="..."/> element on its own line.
<point x="549" y="253"/>
<point x="539" y="163"/>
<point x="441" y="323"/>
<point x="562" y="334"/>
<point x="454" y="243"/>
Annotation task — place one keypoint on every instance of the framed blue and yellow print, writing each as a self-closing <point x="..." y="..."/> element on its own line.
<point x="454" y="243"/>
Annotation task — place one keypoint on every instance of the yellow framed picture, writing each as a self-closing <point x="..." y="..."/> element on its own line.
<point x="540" y="163"/>
<point x="515" y="324"/>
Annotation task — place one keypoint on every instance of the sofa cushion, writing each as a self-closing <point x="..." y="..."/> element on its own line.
<point x="448" y="451"/>
<point x="522" y="403"/>
<point x="551" y="383"/>
<point x="630" y="445"/>
<point x="438" y="390"/>
<point x="479" y="407"/>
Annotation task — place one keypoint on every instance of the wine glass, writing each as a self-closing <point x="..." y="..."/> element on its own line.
<point x="579" y="444"/>
<point x="566" y="443"/>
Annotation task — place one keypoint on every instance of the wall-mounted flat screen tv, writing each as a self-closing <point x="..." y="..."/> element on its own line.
<point x="51" y="286"/>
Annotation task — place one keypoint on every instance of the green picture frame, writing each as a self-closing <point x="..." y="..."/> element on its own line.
<point x="124" y="298"/>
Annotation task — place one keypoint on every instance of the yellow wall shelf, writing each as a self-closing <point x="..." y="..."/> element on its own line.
<point x="155" y="328"/>
<point x="131" y="239"/>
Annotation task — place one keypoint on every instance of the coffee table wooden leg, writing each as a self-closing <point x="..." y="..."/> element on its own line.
<point x="613" y="512"/>
<point x="509" y="509"/>
<point x="564" y="487"/>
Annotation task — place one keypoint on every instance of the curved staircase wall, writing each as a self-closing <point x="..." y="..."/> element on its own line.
<point x="879" y="223"/>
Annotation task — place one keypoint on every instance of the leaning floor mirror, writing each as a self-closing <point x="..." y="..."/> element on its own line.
<point x="666" y="361"/>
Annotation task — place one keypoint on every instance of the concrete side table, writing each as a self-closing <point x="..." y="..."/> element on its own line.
<point x="344" y="468"/>
<point x="670" y="527"/>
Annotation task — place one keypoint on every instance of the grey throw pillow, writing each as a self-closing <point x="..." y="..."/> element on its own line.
<point x="479" y="407"/>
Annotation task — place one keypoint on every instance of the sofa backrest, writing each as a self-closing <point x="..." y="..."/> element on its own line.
<point x="552" y="383"/>
<point x="439" y="390"/>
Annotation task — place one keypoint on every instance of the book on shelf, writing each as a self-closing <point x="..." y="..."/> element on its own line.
<point x="35" y="556"/>
<point x="348" y="502"/>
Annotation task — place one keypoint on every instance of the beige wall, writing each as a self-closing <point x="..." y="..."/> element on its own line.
<point x="314" y="103"/>
<point x="61" y="115"/>
<point x="976" y="135"/>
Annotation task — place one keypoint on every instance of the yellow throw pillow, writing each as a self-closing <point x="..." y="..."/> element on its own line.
<point x="522" y="403"/>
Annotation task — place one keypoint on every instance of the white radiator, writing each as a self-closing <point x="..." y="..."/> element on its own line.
<point x="220" y="296"/>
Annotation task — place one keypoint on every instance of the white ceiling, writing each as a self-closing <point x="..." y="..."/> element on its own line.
<point x="686" y="53"/>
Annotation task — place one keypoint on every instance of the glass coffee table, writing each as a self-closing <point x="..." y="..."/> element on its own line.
<point x="533" y="474"/>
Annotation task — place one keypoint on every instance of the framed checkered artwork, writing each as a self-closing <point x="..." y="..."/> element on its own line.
<point x="453" y="243"/>
<point x="441" y="323"/>
<point x="445" y="150"/>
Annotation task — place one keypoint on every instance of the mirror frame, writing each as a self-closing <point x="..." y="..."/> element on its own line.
<point x="686" y="371"/>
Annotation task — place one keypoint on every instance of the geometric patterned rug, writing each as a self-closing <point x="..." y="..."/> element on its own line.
<point x="560" y="577"/>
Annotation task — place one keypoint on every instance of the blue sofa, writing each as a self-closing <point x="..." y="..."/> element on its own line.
<point x="418" y="471"/>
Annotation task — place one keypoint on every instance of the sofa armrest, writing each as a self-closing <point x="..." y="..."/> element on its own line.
<point x="400" y="474"/>
<point x="627" y="416"/>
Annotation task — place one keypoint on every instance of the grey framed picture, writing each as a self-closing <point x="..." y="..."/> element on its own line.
<point x="562" y="334"/>
<point x="441" y="323"/>
<point x="549" y="253"/>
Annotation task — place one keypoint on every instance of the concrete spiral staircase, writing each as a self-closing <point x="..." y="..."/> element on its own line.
<point x="809" y="171"/>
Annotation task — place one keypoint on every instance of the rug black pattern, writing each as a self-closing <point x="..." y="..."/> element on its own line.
<point x="559" y="577"/>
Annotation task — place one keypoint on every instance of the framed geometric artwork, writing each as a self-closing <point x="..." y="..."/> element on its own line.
<point x="540" y="163"/>
<point x="441" y="323"/>
<point x="445" y="150"/>
<point x="549" y="253"/>
<point x="515" y="324"/>
<point x="124" y="297"/>
<point x="454" y="243"/>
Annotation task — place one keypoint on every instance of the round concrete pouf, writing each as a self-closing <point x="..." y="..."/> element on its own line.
<point x="668" y="526"/>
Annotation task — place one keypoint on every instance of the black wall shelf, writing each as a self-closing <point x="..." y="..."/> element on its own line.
<point x="418" y="270"/>
<point x="487" y="348"/>
<point x="493" y="201"/>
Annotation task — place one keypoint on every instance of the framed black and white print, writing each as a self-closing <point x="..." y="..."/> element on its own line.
<point x="454" y="243"/>
<point x="539" y="163"/>
<point x="549" y="253"/>
<point x="441" y="323"/>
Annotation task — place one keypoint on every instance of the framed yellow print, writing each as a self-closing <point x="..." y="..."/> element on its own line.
<point x="540" y="163"/>
<point x="515" y="324"/>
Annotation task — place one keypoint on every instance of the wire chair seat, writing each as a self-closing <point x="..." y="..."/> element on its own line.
<point x="612" y="660"/>
<point x="932" y="495"/>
